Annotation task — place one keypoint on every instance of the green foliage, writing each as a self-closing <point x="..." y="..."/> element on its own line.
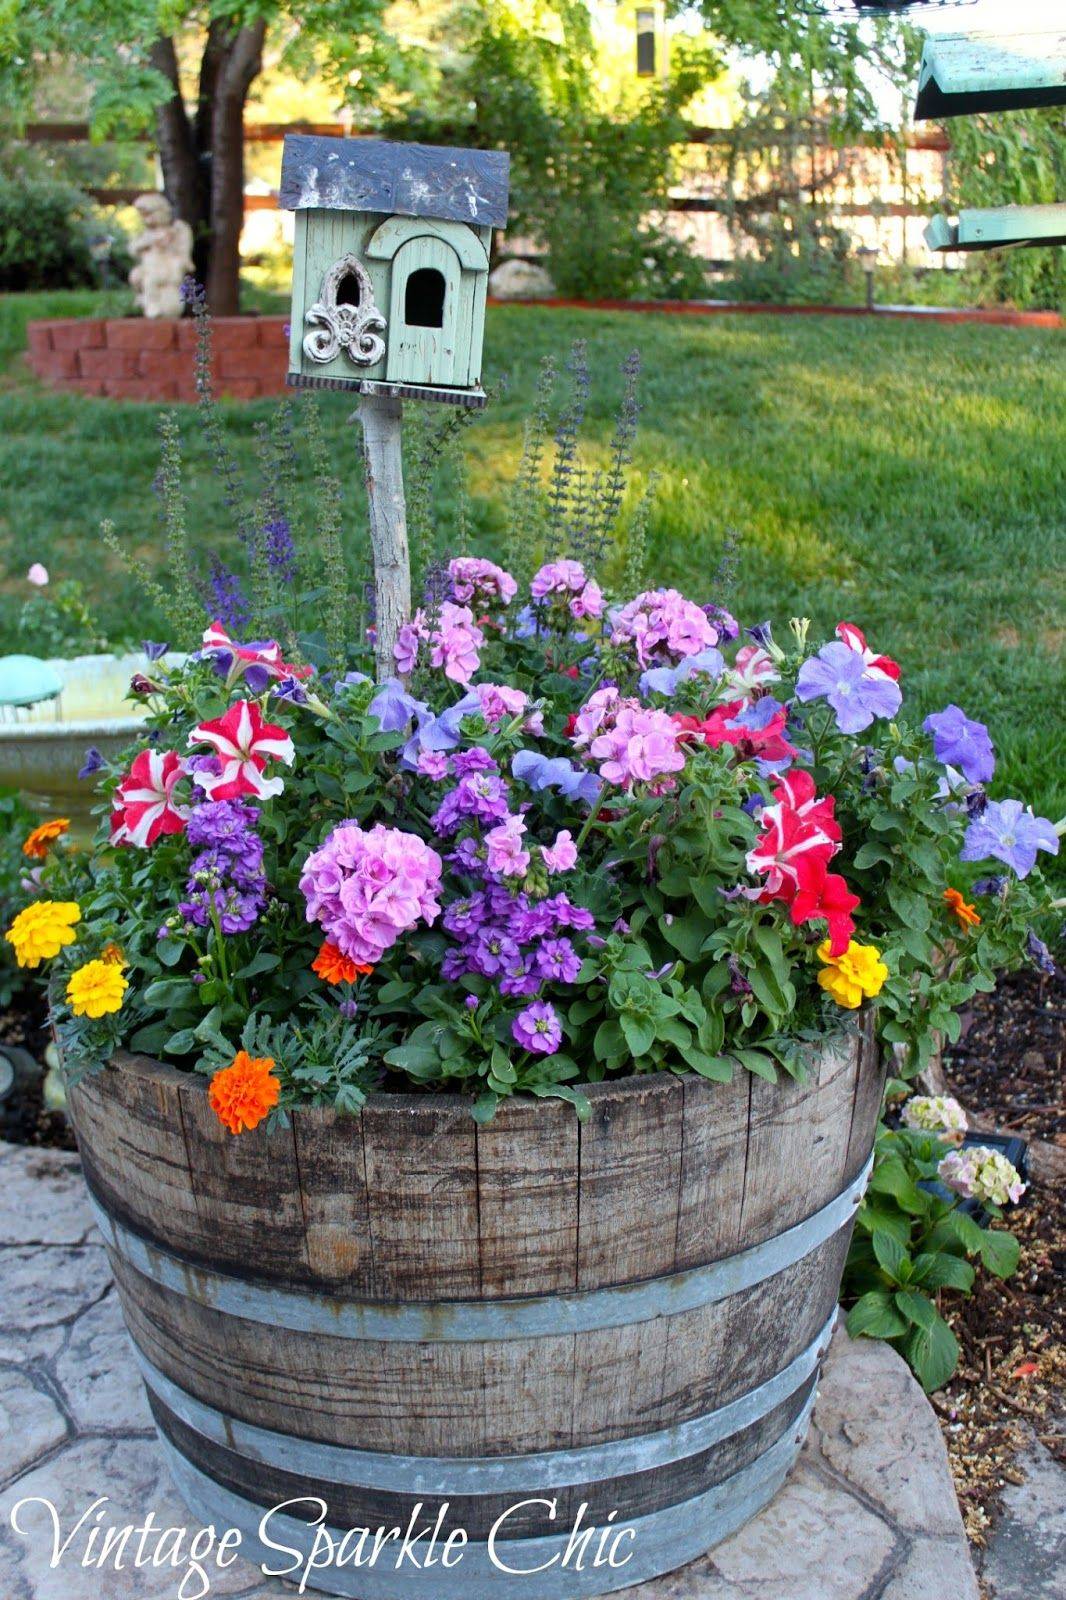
<point x="56" y="621"/>
<point x="584" y="175"/>
<point x="910" y="1247"/>
<point x="1013" y="158"/>
<point x="46" y="235"/>
<point x="16" y="820"/>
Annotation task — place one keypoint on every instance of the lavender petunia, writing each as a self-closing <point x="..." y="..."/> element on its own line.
<point x="1010" y="832"/>
<point x="840" y="676"/>
<point x="555" y="772"/>
<point x="667" y="680"/>
<point x="962" y="743"/>
<point x="1040" y="955"/>
<point x="394" y="707"/>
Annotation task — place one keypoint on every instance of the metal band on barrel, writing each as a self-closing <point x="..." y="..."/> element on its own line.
<point x="663" y="1540"/>
<point x="480" y="1475"/>
<point x="461" y="1321"/>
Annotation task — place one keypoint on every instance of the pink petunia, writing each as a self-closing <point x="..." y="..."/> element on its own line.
<point x="143" y="807"/>
<point x="244" y="743"/>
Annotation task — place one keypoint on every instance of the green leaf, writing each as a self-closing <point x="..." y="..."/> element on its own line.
<point x="940" y="1270"/>
<point x="933" y="1353"/>
<point x="875" y="1316"/>
<point x="639" y="1033"/>
<point x="484" y="1108"/>
<point x="892" y="1258"/>
<point x="917" y="1308"/>
<point x="265" y="961"/>
<point x="686" y="934"/>
<point x="999" y="1252"/>
<point x="758" y="1062"/>
<point x="167" y="993"/>
<point x="891" y="1177"/>
<point x="717" y="1068"/>
<point x="420" y="1060"/>
<point x="180" y="1043"/>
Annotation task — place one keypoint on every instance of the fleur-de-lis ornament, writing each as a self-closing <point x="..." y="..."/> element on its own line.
<point x="352" y="327"/>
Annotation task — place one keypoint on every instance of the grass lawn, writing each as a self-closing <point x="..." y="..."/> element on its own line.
<point x="905" y="476"/>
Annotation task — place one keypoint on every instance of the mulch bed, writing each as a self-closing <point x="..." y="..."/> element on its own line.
<point x="1011" y="1382"/>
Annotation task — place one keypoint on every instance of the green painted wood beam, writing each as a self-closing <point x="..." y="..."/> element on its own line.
<point x="963" y="73"/>
<point x="998" y="227"/>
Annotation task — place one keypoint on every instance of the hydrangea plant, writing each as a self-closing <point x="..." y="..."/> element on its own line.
<point x="572" y="835"/>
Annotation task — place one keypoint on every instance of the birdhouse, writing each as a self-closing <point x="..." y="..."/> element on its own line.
<point x="391" y="265"/>
<point x="963" y="73"/>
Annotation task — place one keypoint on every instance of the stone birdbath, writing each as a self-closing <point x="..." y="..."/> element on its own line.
<point x="51" y="712"/>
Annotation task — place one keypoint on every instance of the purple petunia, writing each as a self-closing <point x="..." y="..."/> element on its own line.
<point x="962" y="743"/>
<point x="841" y="676"/>
<point x="555" y="772"/>
<point x="93" y="762"/>
<point x="1010" y="832"/>
<point x="537" y="1028"/>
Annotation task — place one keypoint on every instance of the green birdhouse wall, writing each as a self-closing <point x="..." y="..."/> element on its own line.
<point x="391" y="299"/>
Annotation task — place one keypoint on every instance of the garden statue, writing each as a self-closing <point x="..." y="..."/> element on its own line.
<point x="164" y="257"/>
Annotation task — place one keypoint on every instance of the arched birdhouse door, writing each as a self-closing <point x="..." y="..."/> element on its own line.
<point x="427" y="290"/>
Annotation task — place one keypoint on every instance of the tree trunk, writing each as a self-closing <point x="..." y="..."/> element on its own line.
<point x="233" y="75"/>
<point x="179" y="156"/>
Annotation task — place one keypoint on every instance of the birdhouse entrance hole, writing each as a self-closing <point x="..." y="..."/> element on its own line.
<point x="423" y="305"/>
<point x="349" y="290"/>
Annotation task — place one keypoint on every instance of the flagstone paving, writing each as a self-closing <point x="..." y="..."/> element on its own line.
<point x="869" y="1513"/>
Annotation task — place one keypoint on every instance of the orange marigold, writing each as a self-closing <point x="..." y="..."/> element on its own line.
<point x="243" y="1093"/>
<point x="966" y="914"/>
<point x="333" y="966"/>
<point x="36" y="843"/>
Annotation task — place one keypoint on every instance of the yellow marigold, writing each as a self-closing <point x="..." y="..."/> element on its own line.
<point x="243" y="1093"/>
<point x="96" y="989"/>
<point x="41" y="931"/>
<point x="966" y="914"/>
<point x="36" y="843"/>
<point x="856" y="975"/>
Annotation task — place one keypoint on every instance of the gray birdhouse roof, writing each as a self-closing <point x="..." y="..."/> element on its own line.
<point x="407" y="180"/>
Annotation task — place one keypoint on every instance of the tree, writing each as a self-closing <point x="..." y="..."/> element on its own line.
<point x="186" y="68"/>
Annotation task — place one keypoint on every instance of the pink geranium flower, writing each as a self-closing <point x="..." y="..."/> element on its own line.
<point x="481" y="581"/>
<point x="244" y="743"/>
<point x="455" y="642"/>
<point x="506" y="853"/>
<point x="143" y="807"/>
<point x="638" y="746"/>
<point x="562" y="855"/>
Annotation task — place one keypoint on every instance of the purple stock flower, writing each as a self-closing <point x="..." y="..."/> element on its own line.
<point x="840" y="675"/>
<point x="961" y="743"/>
<point x="1010" y="832"/>
<point x="228" y="871"/>
<point x="558" y="960"/>
<point x="93" y="762"/>
<point x="537" y="1028"/>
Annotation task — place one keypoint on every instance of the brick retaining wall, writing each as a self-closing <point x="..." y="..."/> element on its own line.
<point x="134" y="358"/>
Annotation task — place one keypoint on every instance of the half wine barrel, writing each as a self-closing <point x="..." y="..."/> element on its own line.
<point x="505" y="1331"/>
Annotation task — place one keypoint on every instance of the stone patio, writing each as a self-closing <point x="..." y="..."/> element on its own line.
<point x="869" y="1513"/>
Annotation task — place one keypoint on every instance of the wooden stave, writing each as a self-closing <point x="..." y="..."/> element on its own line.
<point x="720" y="1342"/>
<point x="315" y="1205"/>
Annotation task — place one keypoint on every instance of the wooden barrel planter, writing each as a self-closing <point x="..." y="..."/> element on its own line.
<point x="507" y="1330"/>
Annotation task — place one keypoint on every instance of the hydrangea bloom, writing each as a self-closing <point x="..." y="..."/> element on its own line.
<point x="537" y="1028"/>
<point x="935" y="1113"/>
<point x="978" y="1172"/>
<point x="244" y="743"/>
<point x="367" y="888"/>
<point x="144" y="806"/>
<point x="480" y="581"/>
<point x="662" y="625"/>
<point x="856" y="692"/>
<point x="962" y="743"/>
<point x="637" y="746"/>
<point x="1010" y="832"/>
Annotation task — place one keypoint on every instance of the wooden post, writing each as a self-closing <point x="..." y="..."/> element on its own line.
<point x="383" y="454"/>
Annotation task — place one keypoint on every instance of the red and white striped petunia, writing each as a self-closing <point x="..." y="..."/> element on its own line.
<point x="265" y="654"/>
<point x="876" y="666"/>
<point x="143" y="807"/>
<point x="244" y="743"/>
